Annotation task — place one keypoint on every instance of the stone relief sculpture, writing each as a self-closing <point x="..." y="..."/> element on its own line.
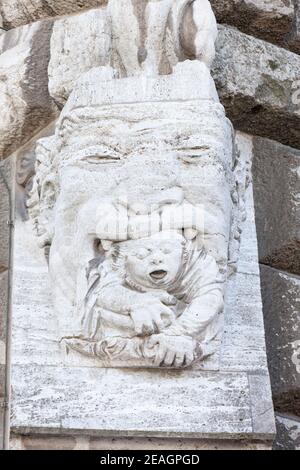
<point x="153" y="30"/>
<point x="150" y="38"/>
<point x="139" y="195"/>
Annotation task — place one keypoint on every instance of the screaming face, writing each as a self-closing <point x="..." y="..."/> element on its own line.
<point x="155" y="262"/>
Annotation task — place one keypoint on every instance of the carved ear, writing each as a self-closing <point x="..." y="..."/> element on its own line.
<point x="106" y="244"/>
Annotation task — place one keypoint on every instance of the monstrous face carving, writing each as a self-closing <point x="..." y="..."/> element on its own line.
<point x="121" y="275"/>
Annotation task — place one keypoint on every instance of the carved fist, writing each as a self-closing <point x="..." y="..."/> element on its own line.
<point x="152" y="316"/>
<point x="174" y="351"/>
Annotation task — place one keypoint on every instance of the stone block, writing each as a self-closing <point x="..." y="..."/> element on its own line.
<point x="281" y="301"/>
<point x="288" y="433"/>
<point x="267" y="104"/>
<point x="15" y="13"/>
<point x="24" y="85"/>
<point x="268" y="20"/>
<point x="276" y="181"/>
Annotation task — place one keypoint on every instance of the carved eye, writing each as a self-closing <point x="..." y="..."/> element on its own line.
<point x="101" y="159"/>
<point x="142" y="253"/>
<point x="166" y="249"/>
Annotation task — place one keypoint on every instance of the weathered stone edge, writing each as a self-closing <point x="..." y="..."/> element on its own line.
<point x="276" y="26"/>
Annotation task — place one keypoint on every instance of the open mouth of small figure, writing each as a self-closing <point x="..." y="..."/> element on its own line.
<point x="158" y="275"/>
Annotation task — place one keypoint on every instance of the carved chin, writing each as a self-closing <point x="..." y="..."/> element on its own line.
<point x="158" y="275"/>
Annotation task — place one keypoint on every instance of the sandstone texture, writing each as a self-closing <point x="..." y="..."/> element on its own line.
<point x="276" y="179"/>
<point x="281" y="300"/>
<point x="267" y="104"/>
<point x="268" y="20"/>
<point x="20" y="12"/>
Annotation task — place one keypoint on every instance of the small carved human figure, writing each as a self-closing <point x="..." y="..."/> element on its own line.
<point x="159" y="292"/>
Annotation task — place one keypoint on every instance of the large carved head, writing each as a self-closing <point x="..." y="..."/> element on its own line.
<point x="150" y="141"/>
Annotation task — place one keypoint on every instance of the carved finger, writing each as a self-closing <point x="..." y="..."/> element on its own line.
<point x="160" y="356"/>
<point x="189" y="358"/>
<point x="158" y="322"/>
<point x="169" y="358"/>
<point x="179" y="360"/>
<point x="139" y="330"/>
<point x="138" y="325"/>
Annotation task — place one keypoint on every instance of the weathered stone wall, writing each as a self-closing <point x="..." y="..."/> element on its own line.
<point x="257" y="72"/>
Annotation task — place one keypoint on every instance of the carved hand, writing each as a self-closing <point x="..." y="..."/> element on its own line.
<point x="151" y="316"/>
<point x="174" y="351"/>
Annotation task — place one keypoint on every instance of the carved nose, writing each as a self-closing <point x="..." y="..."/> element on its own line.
<point x="157" y="260"/>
